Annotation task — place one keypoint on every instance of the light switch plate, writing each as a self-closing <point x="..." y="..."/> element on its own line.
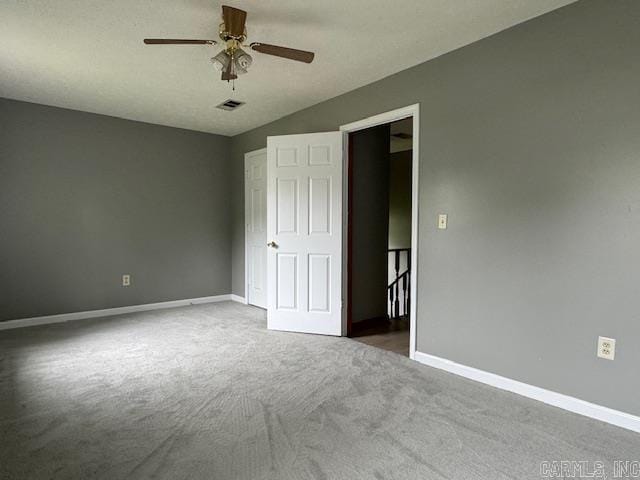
<point x="607" y="348"/>
<point x="442" y="221"/>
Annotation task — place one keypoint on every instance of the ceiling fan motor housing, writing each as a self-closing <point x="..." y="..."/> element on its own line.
<point x="228" y="37"/>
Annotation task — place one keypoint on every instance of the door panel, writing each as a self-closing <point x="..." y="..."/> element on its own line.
<point x="287" y="281"/>
<point x="286" y="157"/>
<point x="287" y="205"/>
<point x="319" y="206"/>
<point x="320" y="283"/>
<point x="258" y="209"/>
<point x="304" y="222"/>
<point x="258" y="268"/>
<point x="320" y="155"/>
<point x="256" y="231"/>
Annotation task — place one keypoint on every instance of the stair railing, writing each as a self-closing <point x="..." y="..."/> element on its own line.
<point x="399" y="290"/>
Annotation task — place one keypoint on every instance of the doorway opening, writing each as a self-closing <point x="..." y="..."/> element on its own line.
<point x="381" y="177"/>
<point x="318" y="273"/>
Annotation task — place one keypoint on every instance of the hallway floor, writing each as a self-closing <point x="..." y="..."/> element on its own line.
<point x="392" y="336"/>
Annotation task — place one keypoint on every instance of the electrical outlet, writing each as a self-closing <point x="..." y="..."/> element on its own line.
<point x="606" y="348"/>
<point x="442" y="221"/>
<point x="126" y="280"/>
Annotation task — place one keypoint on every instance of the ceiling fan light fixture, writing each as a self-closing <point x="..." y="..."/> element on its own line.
<point x="221" y="61"/>
<point x="242" y="61"/>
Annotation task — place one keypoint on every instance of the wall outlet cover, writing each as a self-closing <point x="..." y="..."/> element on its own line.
<point x="126" y="280"/>
<point x="607" y="348"/>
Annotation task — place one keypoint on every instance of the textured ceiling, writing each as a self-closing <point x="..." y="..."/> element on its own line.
<point x="88" y="54"/>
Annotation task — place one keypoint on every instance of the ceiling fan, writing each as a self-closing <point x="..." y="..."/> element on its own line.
<point x="233" y="61"/>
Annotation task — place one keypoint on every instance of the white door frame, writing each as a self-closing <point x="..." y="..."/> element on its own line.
<point x="388" y="117"/>
<point x="247" y="156"/>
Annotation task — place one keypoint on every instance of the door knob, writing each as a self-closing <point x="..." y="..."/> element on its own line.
<point x="272" y="244"/>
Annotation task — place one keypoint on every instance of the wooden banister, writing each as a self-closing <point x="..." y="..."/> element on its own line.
<point x="399" y="289"/>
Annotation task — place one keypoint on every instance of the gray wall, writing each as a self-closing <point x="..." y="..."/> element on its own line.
<point x="400" y="199"/>
<point x="400" y="179"/>
<point x="86" y="198"/>
<point x="530" y="142"/>
<point x="369" y="222"/>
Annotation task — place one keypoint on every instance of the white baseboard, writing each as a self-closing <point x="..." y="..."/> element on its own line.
<point x="238" y="298"/>
<point x="575" y="405"/>
<point x="107" y="312"/>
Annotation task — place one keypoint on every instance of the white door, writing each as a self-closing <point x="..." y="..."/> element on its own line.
<point x="304" y="231"/>
<point x="255" y="190"/>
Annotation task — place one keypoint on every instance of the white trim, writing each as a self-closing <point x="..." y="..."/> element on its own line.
<point x="238" y="298"/>
<point x="107" y="312"/>
<point x="382" y="118"/>
<point x="388" y="117"/>
<point x="247" y="156"/>
<point x="415" y="204"/>
<point x="572" y="404"/>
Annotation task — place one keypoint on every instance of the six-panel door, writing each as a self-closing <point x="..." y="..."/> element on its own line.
<point x="256" y="227"/>
<point x="304" y="220"/>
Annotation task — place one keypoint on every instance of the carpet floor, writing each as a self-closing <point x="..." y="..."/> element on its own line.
<point x="207" y="392"/>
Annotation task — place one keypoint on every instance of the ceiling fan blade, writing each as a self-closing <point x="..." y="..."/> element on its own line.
<point x="177" y="41"/>
<point x="284" y="52"/>
<point x="234" y="20"/>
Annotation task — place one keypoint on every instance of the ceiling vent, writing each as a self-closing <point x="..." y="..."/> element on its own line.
<point x="230" y="105"/>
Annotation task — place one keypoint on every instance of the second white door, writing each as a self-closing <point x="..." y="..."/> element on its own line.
<point x="255" y="166"/>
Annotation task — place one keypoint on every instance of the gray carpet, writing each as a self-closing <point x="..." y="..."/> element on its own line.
<point x="207" y="392"/>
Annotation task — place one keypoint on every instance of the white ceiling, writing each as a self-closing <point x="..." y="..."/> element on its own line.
<point x="88" y="54"/>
